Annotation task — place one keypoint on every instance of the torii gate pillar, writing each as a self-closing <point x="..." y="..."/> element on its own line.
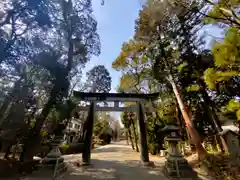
<point x="143" y="135"/>
<point x="86" y="154"/>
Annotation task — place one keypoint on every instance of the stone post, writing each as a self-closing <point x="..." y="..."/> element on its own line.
<point x="86" y="154"/>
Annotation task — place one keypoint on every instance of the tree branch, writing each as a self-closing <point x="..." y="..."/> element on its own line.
<point x="7" y="18"/>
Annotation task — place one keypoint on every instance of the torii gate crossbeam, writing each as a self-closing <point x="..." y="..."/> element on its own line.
<point x="121" y="97"/>
<point x="116" y="98"/>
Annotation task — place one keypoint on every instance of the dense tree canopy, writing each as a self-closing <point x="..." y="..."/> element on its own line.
<point x="44" y="45"/>
<point x="99" y="79"/>
<point x="167" y="54"/>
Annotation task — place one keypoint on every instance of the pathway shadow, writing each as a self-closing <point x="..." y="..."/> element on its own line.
<point x="118" y="170"/>
<point x="103" y="169"/>
<point x="111" y="149"/>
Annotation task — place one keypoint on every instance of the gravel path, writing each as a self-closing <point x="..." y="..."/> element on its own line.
<point x="114" y="161"/>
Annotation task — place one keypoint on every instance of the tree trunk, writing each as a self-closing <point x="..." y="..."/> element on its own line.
<point x="213" y="116"/>
<point x="222" y="143"/>
<point x="8" y="151"/>
<point x="14" y="151"/>
<point x="34" y="137"/>
<point x="192" y="131"/>
<point x="126" y="135"/>
<point x="143" y="133"/>
<point x="135" y="135"/>
<point x="179" y="118"/>
<point x="130" y="137"/>
<point x="10" y="97"/>
<point x="214" y="143"/>
<point x="86" y="154"/>
<point x="238" y="123"/>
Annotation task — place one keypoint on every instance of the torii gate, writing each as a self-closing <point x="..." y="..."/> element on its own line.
<point x="115" y="98"/>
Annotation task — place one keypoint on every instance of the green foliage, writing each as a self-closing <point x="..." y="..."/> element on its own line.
<point x="134" y="65"/>
<point x="101" y="124"/>
<point x="193" y="87"/>
<point x="44" y="133"/>
<point x="232" y="108"/>
<point x="171" y="50"/>
<point x="238" y="114"/>
<point x="233" y="105"/>
<point x="224" y="76"/>
<point x="32" y="123"/>
<point x="128" y="83"/>
<point x="129" y="55"/>
<point x="181" y="66"/>
<point x="45" y="45"/>
<point x="167" y="108"/>
<point x="99" y="79"/>
<point x="125" y="120"/>
<point x="64" y="148"/>
<point x="209" y="76"/>
<point x="223" y="12"/>
<point x="226" y="53"/>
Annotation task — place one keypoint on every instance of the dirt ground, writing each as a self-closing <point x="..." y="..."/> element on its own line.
<point x="116" y="161"/>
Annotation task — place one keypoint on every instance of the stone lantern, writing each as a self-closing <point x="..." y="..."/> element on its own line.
<point x="176" y="166"/>
<point x="55" y="153"/>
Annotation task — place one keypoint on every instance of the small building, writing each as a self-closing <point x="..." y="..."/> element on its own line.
<point x="74" y="129"/>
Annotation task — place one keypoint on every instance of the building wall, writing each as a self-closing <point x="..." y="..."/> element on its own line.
<point x="74" y="125"/>
<point x="73" y="130"/>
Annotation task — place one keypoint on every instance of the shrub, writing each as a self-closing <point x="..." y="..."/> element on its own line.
<point x="71" y="148"/>
<point x="64" y="148"/>
<point x="105" y="138"/>
<point x="153" y="149"/>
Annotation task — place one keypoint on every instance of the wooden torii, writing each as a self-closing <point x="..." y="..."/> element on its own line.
<point x="116" y="98"/>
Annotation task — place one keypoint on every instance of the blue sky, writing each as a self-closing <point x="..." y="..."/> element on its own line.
<point x="116" y="21"/>
<point x="115" y="25"/>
